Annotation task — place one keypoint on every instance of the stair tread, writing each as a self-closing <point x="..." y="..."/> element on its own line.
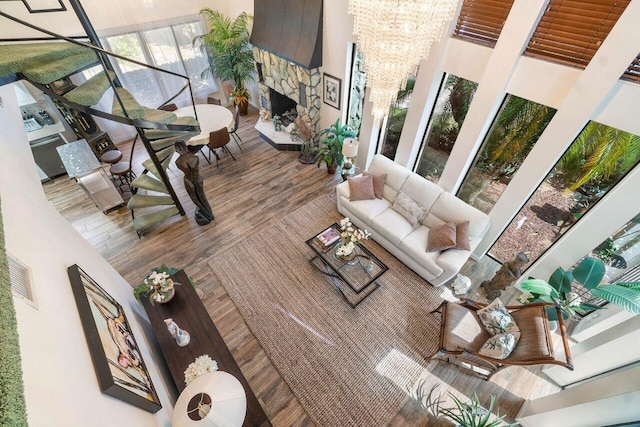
<point x="147" y="182"/>
<point x="142" y="222"/>
<point x="159" y="116"/>
<point x="48" y="72"/>
<point x="139" y="201"/>
<point x="184" y="121"/>
<point x="159" y="144"/>
<point x="134" y="109"/>
<point x="91" y="91"/>
<point x="148" y="165"/>
<point x="15" y="58"/>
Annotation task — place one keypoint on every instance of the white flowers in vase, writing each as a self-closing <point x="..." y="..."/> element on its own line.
<point x="202" y="365"/>
<point x="350" y="237"/>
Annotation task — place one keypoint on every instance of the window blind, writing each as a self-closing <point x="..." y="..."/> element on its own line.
<point x="481" y="21"/>
<point x="633" y="72"/>
<point x="571" y="31"/>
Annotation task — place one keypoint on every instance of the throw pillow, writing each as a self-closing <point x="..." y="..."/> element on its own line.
<point x="496" y="318"/>
<point x="409" y="209"/>
<point x="379" y="180"/>
<point x="361" y="188"/>
<point x="500" y="346"/>
<point x="462" y="236"/>
<point x="441" y="237"/>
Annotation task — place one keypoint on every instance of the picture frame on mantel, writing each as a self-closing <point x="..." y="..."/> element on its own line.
<point x="331" y="90"/>
<point x="116" y="356"/>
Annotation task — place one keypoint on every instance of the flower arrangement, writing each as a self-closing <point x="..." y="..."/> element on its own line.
<point x="202" y="365"/>
<point x="350" y="237"/>
<point x="158" y="285"/>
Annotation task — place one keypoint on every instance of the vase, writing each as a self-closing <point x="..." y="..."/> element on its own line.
<point x="165" y="298"/>
<point x="345" y="258"/>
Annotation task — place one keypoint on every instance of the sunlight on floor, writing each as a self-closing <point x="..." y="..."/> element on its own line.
<point x="307" y="327"/>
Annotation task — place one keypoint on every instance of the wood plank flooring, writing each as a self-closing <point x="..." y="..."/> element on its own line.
<point x="262" y="186"/>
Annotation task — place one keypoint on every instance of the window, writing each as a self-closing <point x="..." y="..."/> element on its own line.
<point x="481" y="21"/>
<point x="621" y="251"/>
<point x="633" y="72"/>
<point x="395" y="119"/>
<point x="596" y="160"/>
<point x="446" y="120"/>
<point x="513" y="134"/>
<point x="169" y="48"/>
<point x="356" y="91"/>
<point x="571" y="31"/>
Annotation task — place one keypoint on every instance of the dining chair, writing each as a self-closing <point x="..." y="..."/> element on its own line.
<point x="168" y="107"/>
<point x="234" y="129"/>
<point x="219" y="139"/>
<point x="213" y="100"/>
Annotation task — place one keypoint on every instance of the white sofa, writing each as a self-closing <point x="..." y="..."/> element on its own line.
<point x="392" y="231"/>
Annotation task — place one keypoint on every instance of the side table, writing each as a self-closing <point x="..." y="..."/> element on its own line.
<point x="189" y="313"/>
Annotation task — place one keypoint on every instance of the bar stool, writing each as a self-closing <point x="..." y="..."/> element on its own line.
<point x="111" y="156"/>
<point x="122" y="171"/>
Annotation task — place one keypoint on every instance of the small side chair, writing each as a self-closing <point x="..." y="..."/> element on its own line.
<point x="219" y="139"/>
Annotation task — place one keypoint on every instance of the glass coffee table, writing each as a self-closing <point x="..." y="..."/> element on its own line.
<point x="355" y="279"/>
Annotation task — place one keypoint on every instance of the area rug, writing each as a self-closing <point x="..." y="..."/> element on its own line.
<point x="346" y="366"/>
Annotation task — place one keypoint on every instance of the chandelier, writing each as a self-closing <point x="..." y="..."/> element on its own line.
<point x="393" y="37"/>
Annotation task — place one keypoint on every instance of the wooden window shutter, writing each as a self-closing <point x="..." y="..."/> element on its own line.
<point x="480" y="21"/>
<point x="571" y="31"/>
<point x="633" y="72"/>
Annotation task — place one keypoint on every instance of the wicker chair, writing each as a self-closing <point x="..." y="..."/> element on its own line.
<point x="462" y="335"/>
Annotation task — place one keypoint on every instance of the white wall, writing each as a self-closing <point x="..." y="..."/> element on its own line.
<point x="60" y="383"/>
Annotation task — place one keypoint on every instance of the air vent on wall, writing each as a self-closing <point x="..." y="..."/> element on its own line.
<point x="20" y="281"/>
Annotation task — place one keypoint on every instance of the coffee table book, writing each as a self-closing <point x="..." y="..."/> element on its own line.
<point x="328" y="237"/>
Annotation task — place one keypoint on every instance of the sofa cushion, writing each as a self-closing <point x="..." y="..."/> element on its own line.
<point x="361" y="188"/>
<point x="392" y="226"/>
<point x="396" y="175"/>
<point x="379" y="180"/>
<point x="414" y="246"/>
<point x="411" y="210"/>
<point x="448" y="208"/>
<point x="441" y="237"/>
<point x="462" y="236"/>
<point x="421" y="190"/>
<point x="367" y="210"/>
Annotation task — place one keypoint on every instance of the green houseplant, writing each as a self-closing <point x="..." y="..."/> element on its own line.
<point x="229" y="51"/>
<point x="157" y="286"/>
<point x="589" y="273"/>
<point x="330" y="151"/>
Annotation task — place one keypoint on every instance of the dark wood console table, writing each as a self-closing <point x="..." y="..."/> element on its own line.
<point x="187" y="311"/>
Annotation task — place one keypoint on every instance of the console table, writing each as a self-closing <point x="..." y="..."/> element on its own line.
<point x="189" y="313"/>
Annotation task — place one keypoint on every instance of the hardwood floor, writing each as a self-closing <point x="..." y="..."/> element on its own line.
<point x="262" y="186"/>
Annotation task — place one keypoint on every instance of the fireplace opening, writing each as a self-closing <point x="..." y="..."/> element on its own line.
<point x="283" y="106"/>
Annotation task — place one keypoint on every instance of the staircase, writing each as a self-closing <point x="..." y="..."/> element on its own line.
<point x="43" y="63"/>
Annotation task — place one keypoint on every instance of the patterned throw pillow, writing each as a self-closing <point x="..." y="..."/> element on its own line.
<point x="411" y="210"/>
<point x="496" y="319"/>
<point x="500" y="345"/>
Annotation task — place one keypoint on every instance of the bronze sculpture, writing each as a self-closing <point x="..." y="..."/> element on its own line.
<point x="188" y="163"/>
<point x="505" y="276"/>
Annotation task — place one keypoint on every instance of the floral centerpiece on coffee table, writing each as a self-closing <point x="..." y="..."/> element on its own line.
<point x="158" y="285"/>
<point x="349" y="238"/>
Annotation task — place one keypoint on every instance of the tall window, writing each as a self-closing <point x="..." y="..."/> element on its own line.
<point x="621" y="251"/>
<point x="356" y="91"/>
<point x="513" y="134"/>
<point x="395" y="119"/>
<point x="169" y="48"/>
<point x="596" y="160"/>
<point x="448" y="115"/>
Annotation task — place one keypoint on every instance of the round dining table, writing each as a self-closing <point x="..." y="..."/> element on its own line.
<point x="211" y="117"/>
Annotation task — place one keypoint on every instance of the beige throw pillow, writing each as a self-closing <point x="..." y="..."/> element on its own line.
<point x="409" y="209"/>
<point x="462" y="236"/>
<point x="379" y="180"/>
<point x="442" y="237"/>
<point x="361" y="188"/>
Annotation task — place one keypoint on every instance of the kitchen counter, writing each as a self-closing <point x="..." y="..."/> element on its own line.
<point x="45" y="131"/>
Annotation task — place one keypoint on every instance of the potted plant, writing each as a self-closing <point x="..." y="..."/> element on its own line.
<point x="331" y="145"/>
<point x="158" y="285"/>
<point x="589" y="273"/>
<point x="229" y="51"/>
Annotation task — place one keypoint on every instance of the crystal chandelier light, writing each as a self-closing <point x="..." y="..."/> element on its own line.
<point x="394" y="36"/>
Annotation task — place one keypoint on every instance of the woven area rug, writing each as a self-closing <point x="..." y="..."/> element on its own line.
<point x="346" y="366"/>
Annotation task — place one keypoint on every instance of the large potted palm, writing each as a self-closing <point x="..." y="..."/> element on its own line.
<point x="229" y="51"/>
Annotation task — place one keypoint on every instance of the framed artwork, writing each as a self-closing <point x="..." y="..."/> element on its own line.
<point x="331" y="90"/>
<point x="116" y="357"/>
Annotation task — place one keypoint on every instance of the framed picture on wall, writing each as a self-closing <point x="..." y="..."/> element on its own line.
<point x="116" y="356"/>
<point x="331" y="90"/>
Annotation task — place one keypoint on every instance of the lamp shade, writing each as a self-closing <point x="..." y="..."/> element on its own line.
<point x="213" y="399"/>
<point x="350" y="147"/>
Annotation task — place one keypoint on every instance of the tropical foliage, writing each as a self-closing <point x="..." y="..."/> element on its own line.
<point x="228" y="48"/>
<point x="589" y="273"/>
<point x="331" y="144"/>
<point x="397" y="116"/>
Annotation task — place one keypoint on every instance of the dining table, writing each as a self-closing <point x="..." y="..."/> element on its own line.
<point x="210" y="116"/>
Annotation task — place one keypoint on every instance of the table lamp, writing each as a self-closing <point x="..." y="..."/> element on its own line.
<point x="213" y="399"/>
<point x="349" y="151"/>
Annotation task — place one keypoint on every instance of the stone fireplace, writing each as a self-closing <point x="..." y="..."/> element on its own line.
<point x="280" y="78"/>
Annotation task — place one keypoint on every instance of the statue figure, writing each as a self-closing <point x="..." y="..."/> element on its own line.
<point x="181" y="336"/>
<point x="188" y="163"/>
<point x="505" y="276"/>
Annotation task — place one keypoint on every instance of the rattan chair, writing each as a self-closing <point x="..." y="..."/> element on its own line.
<point x="462" y="335"/>
<point x="219" y="139"/>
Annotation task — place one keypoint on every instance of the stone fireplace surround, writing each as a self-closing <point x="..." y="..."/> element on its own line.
<point x="293" y="81"/>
